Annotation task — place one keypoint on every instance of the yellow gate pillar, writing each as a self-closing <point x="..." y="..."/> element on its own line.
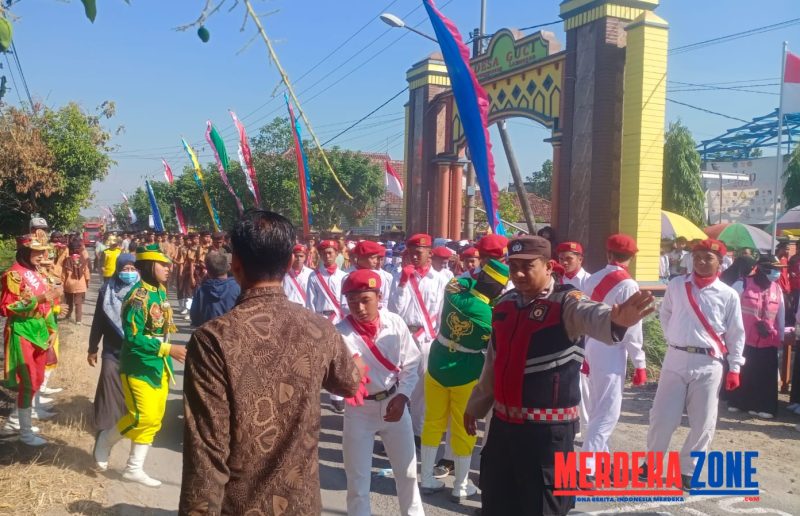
<point x="643" y="140"/>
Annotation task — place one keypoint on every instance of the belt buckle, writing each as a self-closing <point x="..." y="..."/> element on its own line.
<point x="381" y="396"/>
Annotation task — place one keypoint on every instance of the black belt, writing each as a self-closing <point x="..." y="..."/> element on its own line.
<point x="328" y="313"/>
<point x="696" y="350"/>
<point x="414" y="328"/>
<point x="380" y="396"/>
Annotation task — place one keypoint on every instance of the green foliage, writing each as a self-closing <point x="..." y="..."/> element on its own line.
<point x="276" y="173"/>
<point x="6" y="33"/>
<point x="8" y="248"/>
<point x="508" y="206"/>
<point x="655" y="345"/>
<point x="90" y="9"/>
<point x="682" y="191"/>
<point x="541" y="181"/>
<point x="791" y="190"/>
<point x="48" y="161"/>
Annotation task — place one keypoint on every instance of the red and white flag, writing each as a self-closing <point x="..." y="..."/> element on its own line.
<point x="790" y="94"/>
<point x="392" y="181"/>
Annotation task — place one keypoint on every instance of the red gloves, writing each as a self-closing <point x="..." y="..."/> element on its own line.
<point x="358" y="399"/>
<point x="585" y="367"/>
<point x="406" y="274"/>
<point x="640" y="377"/>
<point x="732" y="381"/>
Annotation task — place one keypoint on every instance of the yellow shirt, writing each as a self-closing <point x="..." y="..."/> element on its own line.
<point x="110" y="261"/>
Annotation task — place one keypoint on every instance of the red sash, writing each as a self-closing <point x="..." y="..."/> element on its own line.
<point x="611" y="280"/>
<point x="707" y="325"/>
<point x="329" y="293"/>
<point x="370" y="342"/>
<point x="423" y="308"/>
<point x="297" y="284"/>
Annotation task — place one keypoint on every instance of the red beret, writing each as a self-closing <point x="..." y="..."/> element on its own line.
<point x="558" y="268"/>
<point x="469" y="252"/>
<point x="622" y="244"/>
<point x="442" y="252"/>
<point x="324" y="244"/>
<point x="299" y="248"/>
<point x="569" y="247"/>
<point x="493" y="246"/>
<point x="368" y="248"/>
<point x="709" y="244"/>
<point x="361" y="280"/>
<point x="419" y="240"/>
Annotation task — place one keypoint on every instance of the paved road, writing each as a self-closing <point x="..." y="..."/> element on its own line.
<point x="164" y="463"/>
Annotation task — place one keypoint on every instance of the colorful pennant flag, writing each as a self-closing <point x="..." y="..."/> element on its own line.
<point x="130" y="210"/>
<point x="790" y="90"/>
<point x="473" y="107"/>
<point x="392" y="181"/>
<point x="178" y="211"/>
<point x="303" y="175"/>
<point x="215" y="141"/>
<point x="198" y="178"/>
<point x="246" y="160"/>
<point x="158" y="224"/>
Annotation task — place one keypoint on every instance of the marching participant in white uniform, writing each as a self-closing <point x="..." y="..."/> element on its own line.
<point x="324" y="294"/>
<point x="607" y="364"/>
<point x="382" y="340"/>
<point x="439" y="260"/>
<point x="367" y="255"/>
<point x="702" y="321"/>
<point x="570" y="256"/>
<point x="417" y="297"/>
<point x="295" y="283"/>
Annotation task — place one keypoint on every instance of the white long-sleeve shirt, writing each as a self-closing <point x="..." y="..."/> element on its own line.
<point x="396" y="344"/>
<point x="404" y="301"/>
<point x="719" y="303"/>
<point x="614" y="356"/>
<point x="291" y="289"/>
<point x="317" y="298"/>
<point x="578" y="281"/>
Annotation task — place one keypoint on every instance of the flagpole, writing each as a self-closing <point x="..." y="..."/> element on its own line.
<point x="779" y="157"/>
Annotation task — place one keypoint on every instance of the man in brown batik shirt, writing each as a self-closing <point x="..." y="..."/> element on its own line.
<point x="252" y="383"/>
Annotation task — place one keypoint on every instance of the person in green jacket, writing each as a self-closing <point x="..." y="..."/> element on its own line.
<point x="454" y="366"/>
<point x="145" y="364"/>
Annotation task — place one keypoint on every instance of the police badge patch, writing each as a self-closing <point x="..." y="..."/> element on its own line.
<point x="539" y="311"/>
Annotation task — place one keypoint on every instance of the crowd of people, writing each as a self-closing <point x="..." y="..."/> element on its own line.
<point x="413" y="341"/>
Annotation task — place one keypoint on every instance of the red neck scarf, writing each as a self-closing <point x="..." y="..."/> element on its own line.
<point x="423" y="271"/>
<point x="703" y="281"/>
<point x="294" y="272"/>
<point x="570" y="275"/>
<point x="367" y="329"/>
<point x="331" y="269"/>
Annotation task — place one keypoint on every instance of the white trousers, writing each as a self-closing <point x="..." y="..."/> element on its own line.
<point x="360" y="426"/>
<point x="692" y="381"/>
<point x="585" y="403"/>
<point x="417" y="400"/>
<point x="605" y="383"/>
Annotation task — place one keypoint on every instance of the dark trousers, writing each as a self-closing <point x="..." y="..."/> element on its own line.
<point x="75" y="305"/>
<point x="517" y="468"/>
<point x="759" y="381"/>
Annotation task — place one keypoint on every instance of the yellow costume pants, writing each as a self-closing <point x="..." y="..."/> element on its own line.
<point x="146" y="405"/>
<point x="443" y="403"/>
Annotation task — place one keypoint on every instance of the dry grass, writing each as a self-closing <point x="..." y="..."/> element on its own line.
<point x="58" y="477"/>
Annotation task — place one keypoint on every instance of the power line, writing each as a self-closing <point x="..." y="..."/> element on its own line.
<point x="703" y="87"/>
<point x="708" y="111"/>
<point x="732" y="37"/>
<point x="13" y="80"/>
<point x="21" y="73"/>
<point x="367" y="115"/>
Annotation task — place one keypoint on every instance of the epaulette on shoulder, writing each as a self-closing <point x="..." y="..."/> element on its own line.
<point x="510" y="295"/>
<point x="138" y="298"/>
<point x="13" y="281"/>
<point x="454" y="287"/>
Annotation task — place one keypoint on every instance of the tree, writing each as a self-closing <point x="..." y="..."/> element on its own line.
<point x="682" y="191"/>
<point x="791" y="190"/>
<point x="541" y="181"/>
<point x="48" y="161"/>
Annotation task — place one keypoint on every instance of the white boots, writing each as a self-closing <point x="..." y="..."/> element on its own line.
<point x="44" y="389"/>
<point x="26" y="434"/>
<point x="39" y="410"/>
<point x="105" y="440"/>
<point x="462" y="487"/>
<point x="134" y="471"/>
<point x="429" y="485"/>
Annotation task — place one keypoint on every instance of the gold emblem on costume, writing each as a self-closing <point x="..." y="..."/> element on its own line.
<point x="458" y="327"/>
<point x="578" y="295"/>
<point x="453" y="287"/>
<point x="156" y="315"/>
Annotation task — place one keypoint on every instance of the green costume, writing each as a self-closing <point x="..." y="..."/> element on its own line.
<point x="456" y="356"/>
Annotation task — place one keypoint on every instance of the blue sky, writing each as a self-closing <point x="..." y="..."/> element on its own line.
<point x="167" y="83"/>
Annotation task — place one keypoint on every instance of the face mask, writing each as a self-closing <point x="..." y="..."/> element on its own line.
<point x="773" y="275"/>
<point x="129" y="277"/>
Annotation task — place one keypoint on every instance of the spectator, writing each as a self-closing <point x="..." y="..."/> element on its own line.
<point x="217" y="294"/>
<point x="251" y="391"/>
<point x="109" y="402"/>
<point x="75" y="277"/>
